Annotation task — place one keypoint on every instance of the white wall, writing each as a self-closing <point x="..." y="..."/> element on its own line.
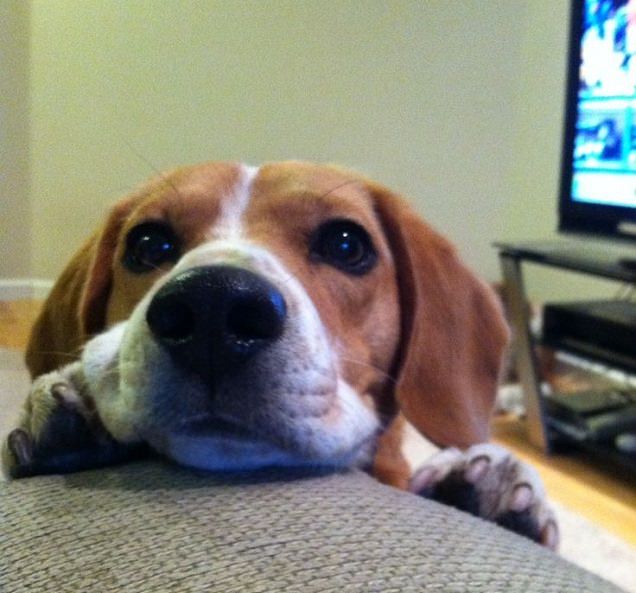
<point x="419" y="94"/>
<point x="457" y="104"/>
<point x="15" y="211"/>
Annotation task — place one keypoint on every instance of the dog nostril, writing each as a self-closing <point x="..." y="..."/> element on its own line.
<point x="171" y="321"/>
<point x="211" y="319"/>
<point x="257" y="318"/>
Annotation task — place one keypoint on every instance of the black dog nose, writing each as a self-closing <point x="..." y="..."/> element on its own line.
<point x="213" y="318"/>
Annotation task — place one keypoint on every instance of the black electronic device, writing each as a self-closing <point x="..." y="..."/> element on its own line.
<point x="605" y="329"/>
<point x="598" y="169"/>
<point x="595" y="415"/>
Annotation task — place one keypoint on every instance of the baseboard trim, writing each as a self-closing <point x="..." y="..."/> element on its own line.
<point x="15" y="289"/>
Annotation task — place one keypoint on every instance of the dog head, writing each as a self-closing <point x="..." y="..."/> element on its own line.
<point x="280" y="315"/>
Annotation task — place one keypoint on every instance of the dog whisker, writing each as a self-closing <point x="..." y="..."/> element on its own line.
<point x="340" y="186"/>
<point x="162" y="175"/>
<point x="384" y="374"/>
<point x="69" y="355"/>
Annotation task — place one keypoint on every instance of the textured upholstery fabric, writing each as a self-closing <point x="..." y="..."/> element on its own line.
<point x="150" y="527"/>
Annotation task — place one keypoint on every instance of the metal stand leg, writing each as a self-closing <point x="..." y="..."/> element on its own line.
<point x="524" y="352"/>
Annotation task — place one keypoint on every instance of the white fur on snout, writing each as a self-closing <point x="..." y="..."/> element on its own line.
<point x="102" y="368"/>
<point x="101" y="353"/>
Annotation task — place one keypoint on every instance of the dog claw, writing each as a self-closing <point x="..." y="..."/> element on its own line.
<point x="60" y="392"/>
<point x="21" y="446"/>
<point x="477" y="468"/>
<point x="550" y="535"/>
<point x="522" y="498"/>
<point x="425" y="478"/>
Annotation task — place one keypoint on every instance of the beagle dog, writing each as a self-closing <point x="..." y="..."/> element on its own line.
<point x="294" y="314"/>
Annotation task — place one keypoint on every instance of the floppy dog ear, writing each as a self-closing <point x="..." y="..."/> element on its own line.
<point x="453" y="331"/>
<point x="76" y="307"/>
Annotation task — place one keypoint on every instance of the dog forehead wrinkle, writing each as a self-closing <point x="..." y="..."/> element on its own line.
<point x="233" y="206"/>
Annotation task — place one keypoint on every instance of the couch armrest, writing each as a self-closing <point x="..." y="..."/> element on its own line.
<point x="150" y="526"/>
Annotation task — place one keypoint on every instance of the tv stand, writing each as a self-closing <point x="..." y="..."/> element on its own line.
<point x="609" y="263"/>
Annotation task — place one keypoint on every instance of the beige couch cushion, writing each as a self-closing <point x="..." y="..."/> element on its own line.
<point x="151" y="527"/>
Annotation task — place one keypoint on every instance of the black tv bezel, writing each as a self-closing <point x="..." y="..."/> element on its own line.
<point x="580" y="217"/>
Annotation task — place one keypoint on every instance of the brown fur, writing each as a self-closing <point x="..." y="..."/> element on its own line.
<point x="422" y="334"/>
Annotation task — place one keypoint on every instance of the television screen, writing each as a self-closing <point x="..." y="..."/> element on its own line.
<point x="598" y="190"/>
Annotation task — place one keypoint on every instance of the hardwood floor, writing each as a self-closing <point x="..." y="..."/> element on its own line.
<point x="605" y="495"/>
<point x="16" y="319"/>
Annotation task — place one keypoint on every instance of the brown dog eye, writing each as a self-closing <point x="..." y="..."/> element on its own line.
<point x="345" y="245"/>
<point x="148" y="246"/>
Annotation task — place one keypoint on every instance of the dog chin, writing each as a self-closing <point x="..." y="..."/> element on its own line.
<point x="224" y="453"/>
<point x="238" y="449"/>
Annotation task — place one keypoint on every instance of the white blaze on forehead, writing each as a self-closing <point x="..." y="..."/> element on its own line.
<point x="229" y="223"/>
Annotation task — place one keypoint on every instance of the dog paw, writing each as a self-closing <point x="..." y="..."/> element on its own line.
<point x="59" y="430"/>
<point x="489" y="482"/>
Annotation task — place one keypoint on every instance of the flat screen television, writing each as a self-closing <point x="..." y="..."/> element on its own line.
<point x="598" y="180"/>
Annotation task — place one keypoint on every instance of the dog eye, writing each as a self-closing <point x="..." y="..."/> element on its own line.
<point x="345" y="245"/>
<point x="148" y="246"/>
